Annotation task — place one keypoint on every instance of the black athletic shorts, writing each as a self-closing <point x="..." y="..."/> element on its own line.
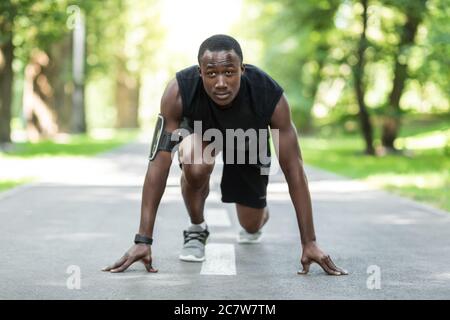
<point x="244" y="184"/>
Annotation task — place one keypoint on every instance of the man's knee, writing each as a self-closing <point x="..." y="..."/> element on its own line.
<point x="193" y="150"/>
<point x="196" y="171"/>
<point x="196" y="175"/>
<point x="251" y="219"/>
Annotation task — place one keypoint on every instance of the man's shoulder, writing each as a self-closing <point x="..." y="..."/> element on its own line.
<point x="188" y="80"/>
<point x="264" y="90"/>
<point x="253" y="68"/>
<point x="188" y="73"/>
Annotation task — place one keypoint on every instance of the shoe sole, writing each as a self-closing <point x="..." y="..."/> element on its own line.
<point x="191" y="258"/>
<point x="247" y="241"/>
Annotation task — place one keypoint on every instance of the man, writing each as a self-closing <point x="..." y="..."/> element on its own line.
<point x="223" y="93"/>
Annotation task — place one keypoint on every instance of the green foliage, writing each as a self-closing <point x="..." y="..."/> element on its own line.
<point x="309" y="45"/>
<point x="9" y="184"/>
<point x="126" y="30"/>
<point x="38" y="24"/>
<point x="423" y="175"/>
<point x="296" y="38"/>
<point x="74" y="145"/>
<point x="435" y="59"/>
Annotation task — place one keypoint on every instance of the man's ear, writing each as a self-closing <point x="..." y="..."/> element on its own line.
<point x="199" y="71"/>
<point x="242" y="67"/>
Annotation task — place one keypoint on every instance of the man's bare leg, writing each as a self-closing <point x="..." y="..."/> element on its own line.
<point x="252" y="220"/>
<point x="195" y="189"/>
<point x="194" y="178"/>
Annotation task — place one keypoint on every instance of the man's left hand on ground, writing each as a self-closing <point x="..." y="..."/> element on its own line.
<point x="312" y="253"/>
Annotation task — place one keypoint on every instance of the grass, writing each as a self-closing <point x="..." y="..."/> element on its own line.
<point x="72" y="145"/>
<point x="9" y="184"/>
<point x="423" y="174"/>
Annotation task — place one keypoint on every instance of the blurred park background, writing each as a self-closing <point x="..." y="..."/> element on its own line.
<point x="368" y="81"/>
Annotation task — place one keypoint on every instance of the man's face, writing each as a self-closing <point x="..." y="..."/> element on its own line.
<point x="221" y="73"/>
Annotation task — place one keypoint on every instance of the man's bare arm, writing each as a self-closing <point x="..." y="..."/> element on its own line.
<point x="291" y="162"/>
<point x="154" y="185"/>
<point x="158" y="169"/>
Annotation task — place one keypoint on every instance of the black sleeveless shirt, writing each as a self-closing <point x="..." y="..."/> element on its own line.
<point x="252" y="108"/>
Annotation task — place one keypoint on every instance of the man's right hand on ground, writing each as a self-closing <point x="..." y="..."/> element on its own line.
<point x="139" y="252"/>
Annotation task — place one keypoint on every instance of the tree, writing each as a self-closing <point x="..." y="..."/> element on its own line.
<point x="45" y="47"/>
<point x="358" y="75"/>
<point x="123" y="38"/>
<point x="127" y="80"/>
<point x="414" y="12"/>
<point x="435" y="65"/>
<point x="8" y="12"/>
<point x="78" y="123"/>
<point x="296" y="38"/>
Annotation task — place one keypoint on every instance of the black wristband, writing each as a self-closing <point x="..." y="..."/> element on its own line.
<point x="142" y="239"/>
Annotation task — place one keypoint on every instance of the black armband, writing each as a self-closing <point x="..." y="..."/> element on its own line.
<point x="162" y="140"/>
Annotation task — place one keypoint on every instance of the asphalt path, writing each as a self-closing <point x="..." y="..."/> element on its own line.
<point x="57" y="234"/>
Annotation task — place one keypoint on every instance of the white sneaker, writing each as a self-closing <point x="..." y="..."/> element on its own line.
<point x="194" y="244"/>
<point x="248" y="238"/>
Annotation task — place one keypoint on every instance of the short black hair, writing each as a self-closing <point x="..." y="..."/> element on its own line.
<point x="219" y="42"/>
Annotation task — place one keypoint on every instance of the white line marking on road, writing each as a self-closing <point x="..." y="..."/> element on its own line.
<point x="217" y="218"/>
<point x="220" y="260"/>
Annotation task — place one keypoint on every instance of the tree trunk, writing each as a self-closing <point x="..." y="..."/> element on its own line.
<point x="48" y="91"/>
<point x="127" y="98"/>
<point x="78" y="124"/>
<point x="38" y="98"/>
<point x="392" y="118"/>
<point x="60" y="78"/>
<point x="6" y="81"/>
<point x="358" y="74"/>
